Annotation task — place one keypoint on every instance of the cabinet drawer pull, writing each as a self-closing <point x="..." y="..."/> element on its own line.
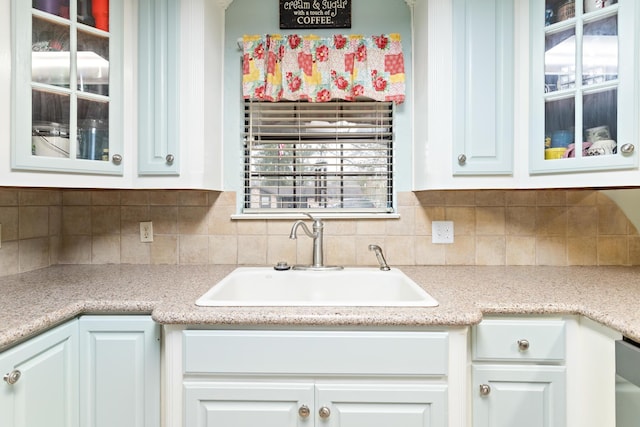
<point x="12" y="377"/>
<point x="116" y="159"/>
<point x="485" y="389"/>
<point x="170" y="158"/>
<point x="462" y="159"/>
<point x="304" y="411"/>
<point x="324" y="412"/>
<point x="523" y="345"/>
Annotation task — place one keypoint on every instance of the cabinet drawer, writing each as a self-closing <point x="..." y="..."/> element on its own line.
<point x="315" y="352"/>
<point x="519" y="340"/>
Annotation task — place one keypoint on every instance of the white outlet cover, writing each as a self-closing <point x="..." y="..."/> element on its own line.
<point x="146" y="232"/>
<point x="442" y="232"/>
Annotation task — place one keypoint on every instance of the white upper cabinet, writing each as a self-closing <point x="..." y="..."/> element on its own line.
<point x="180" y="106"/>
<point x="112" y="94"/>
<point x="574" y="69"/>
<point x="483" y="87"/>
<point x="158" y="87"/>
<point x="180" y="84"/>
<point x="584" y="85"/>
<point x="67" y="86"/>
<point x="465" y="104"/>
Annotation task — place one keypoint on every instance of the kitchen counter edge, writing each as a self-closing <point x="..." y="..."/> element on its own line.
<point x="38" y="300"/>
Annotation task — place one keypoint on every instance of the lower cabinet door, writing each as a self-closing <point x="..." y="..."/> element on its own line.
<point x="381" y="405"/>
<point x="119" y="371"/>
<point x="248" y="404"/>
<point x="41" y="381"/>
<point x="523" y="396"/>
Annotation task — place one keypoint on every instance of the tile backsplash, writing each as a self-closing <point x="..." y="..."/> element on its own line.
<point x="42" y="227"/>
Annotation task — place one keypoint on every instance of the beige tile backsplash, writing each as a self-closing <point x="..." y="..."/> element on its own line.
<point x="42" y="227"/>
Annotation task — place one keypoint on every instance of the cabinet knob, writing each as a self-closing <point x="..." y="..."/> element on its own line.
<point x="170" y="158"/>
<point x="462" y="159"/>
<point x="116" y="159"/>
<point x="627" y="148"/>
<point x="12" y="377"/>
<point x="304" y="411"/>
<point x="324" y="412"/>
<point x="523" y="345"/>
<point x="485" y="389"/>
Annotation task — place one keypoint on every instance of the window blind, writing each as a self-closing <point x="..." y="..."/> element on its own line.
<point x="332" y="156"/>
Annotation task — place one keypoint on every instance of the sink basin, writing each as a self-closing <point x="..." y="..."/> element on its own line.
<point x="264" y="286"/>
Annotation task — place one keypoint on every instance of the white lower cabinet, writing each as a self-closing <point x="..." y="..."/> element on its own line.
<point x="119" y="371"/>
<point x="523" y="396"/>
<point x="245" y="404"/>
<point x="93" y="371"/>
<point x="350" y="404"/>
<point x="381" y="405"/>
<point x="40" y="387"/>
<point x="519" y="374"/>
<point x="312" y="378"/>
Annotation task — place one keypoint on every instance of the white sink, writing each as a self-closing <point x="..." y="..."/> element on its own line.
<point x="264" y="286"/>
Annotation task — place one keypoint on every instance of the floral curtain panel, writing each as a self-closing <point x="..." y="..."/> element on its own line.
<point x="319" y="69"/>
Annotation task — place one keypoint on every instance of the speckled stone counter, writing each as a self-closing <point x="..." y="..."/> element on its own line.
<point x="35" y="301"/>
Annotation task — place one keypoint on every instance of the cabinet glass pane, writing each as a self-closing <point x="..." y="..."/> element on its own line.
<point x="600" y="112"/>
<point x="93" y="130"/>
<point x="50" y="132"/>
<point x="600" y="51"/>
<point x="50" y="60"/>
<point x="559" y="127"/>
<point x="93" y="63"/>
<point x="55" y="7"/>
<point x="94" y="13"/>
<point x="559" y="10"/>
<point x="70" y="79"/>
<point x="581" y="62"/>
<point x="595" y="5"/>
<point x="560" y="60"/>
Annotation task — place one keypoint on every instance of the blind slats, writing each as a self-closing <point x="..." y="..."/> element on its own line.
<point x="335" y="156"/>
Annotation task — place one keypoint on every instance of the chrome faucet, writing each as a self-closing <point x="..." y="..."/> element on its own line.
<point x="318" y="243"/>
<point x="383" y="262"/>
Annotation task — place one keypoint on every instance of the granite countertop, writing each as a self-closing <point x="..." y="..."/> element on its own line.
<point x="35" y="301"/>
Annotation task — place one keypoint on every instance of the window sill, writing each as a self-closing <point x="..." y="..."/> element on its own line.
<point x="346" y="215"/>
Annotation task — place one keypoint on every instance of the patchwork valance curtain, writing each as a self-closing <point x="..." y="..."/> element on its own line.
<point x="319" y="69"/>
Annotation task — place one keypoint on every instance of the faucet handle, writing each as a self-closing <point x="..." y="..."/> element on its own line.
<point x="314" y="219"/>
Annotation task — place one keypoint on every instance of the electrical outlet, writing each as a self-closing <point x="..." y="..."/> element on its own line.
<point x="146" y="232"/>
<point x="442" y="232"/>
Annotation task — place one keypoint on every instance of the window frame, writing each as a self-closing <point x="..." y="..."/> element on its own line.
<point x="343" y="128"/>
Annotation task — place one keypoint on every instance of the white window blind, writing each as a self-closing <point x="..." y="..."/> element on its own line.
<point x="318" y="157"/>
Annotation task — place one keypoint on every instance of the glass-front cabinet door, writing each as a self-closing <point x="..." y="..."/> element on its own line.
<point x="67" y="91"/>
<point x="584" y="85"/>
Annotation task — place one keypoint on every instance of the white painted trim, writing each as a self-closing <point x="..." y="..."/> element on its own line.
<point x="172" y="376"/>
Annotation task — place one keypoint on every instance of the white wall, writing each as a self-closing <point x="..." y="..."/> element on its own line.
<point x="629" y="202"/>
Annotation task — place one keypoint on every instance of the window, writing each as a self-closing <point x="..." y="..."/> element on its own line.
<point x="318" y="157"/>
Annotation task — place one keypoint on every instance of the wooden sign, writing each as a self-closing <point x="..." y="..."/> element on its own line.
<point x="315" y="14"/>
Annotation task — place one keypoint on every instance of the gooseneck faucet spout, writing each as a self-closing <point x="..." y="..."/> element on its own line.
<point x="316" y="234"/>
<point x="383" y="262"/>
